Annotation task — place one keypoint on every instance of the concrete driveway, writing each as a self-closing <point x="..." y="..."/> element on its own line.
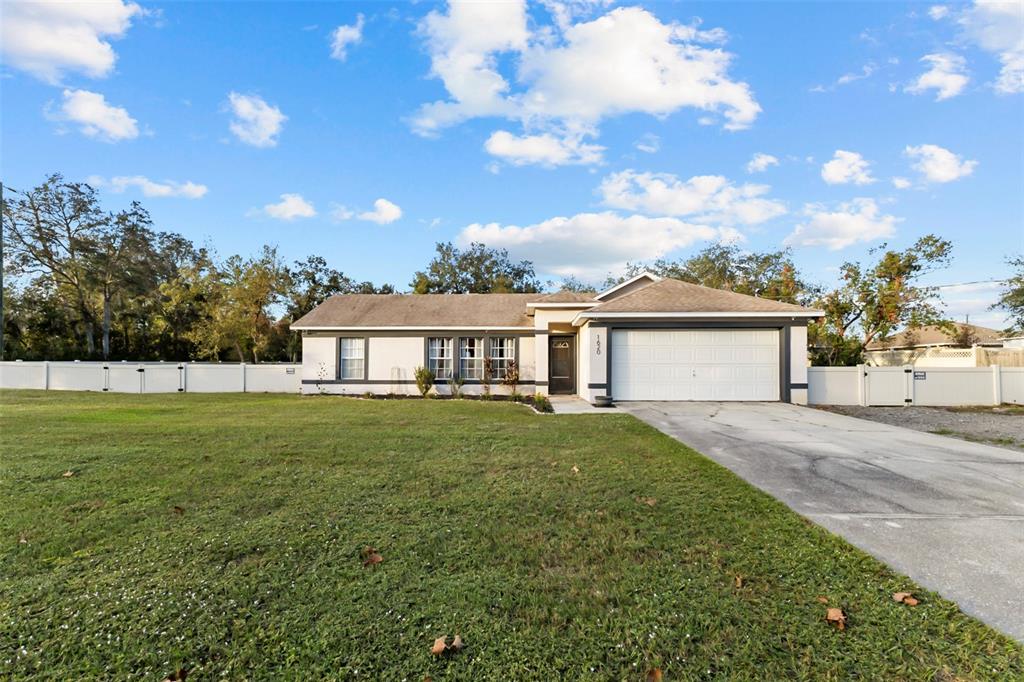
<point x="947" y="513"/>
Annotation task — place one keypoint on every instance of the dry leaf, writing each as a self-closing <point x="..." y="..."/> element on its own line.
<point x="649" y="501"/>
<point x="910" y="601"/>
<point x="177" y="676"/>
<point x="836" y="617"/>
<point x="68" y="474"/>
<point x="905" y="598"/>
<point x="457" y="643"/>
<point x="179" y="510"/>
<point x="22" y="539"/>
<point x="654" y="675"/>
<point x="822" y="600"/>
<point x="739" y="581"/>
<point x="575" y="469"/>
<point x="439" y="646"/>
<point x="373" y="559"/>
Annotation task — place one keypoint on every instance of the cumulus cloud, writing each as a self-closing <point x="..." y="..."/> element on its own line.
<point x="290" y="207"/>
<point x="759" y="163"/>
<point x="846" y="167"/>
<point x="384" y="212"/>
<point x="544" y="149"/>
<point x="590" y="244"/>
<point x="95" y="117"/>
<point x="937" y="12"/>
<point x="571" y="76"/>
<point x="649" y="143"/>
<point x="998" y="28"/>
<point x="947" y="75"/>
<point x="851" y="222"/>
<point x="255" y="122"/>
<point x="937" y="164"/>
<point x="704" y="198"/>
<point x="150" y="188"/>
<point x="344" y="36"/>
<point x="900" y="183"/>
<point x="48" y="39"/>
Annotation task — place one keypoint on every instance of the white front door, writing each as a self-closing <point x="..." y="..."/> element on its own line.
<point x="695" y="364"/>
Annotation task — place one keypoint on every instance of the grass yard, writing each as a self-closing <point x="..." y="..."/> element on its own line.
<point x="225" y="534"/>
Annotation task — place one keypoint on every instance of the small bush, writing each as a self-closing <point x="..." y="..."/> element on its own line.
<point x="511" y="378"/>
<point x="369" y="395"/>
<point x="424" y="380"/>
<point x="486" y="395"/>
<point x="542" y="403"/>
<point x="515" y="396"/>
<point x="456" y="386"/>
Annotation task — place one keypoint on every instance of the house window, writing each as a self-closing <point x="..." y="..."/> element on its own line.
<point x="503" y="349"/>
<point x="352" y="358"/>
<point x="471" y="358"/>
<point x="439" y="357"/>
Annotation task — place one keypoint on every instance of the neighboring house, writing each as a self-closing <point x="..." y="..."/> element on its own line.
<point x="935" y="346"/>
<point x="645" y="339"/>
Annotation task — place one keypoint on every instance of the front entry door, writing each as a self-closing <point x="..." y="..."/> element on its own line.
<point x="562" y="365"/>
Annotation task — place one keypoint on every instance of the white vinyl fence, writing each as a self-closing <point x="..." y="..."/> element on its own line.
<point x="152" y="377"/>
<point x="910" y="385"/>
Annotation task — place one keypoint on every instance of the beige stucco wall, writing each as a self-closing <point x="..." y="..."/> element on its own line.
<point x="394" y="358"/>
<point x="319" y="357"/>
<point x="798" y="355"/>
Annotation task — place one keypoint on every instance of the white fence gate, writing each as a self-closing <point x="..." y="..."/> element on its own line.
<point x="908" y="385"/>
<point x="152" y="377"/>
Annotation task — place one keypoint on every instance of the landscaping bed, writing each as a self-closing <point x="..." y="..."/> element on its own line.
<point x="262" y="537"/>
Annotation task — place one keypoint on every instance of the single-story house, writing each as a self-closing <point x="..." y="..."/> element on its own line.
<point x="647" y="338"/>
<point x="934" y="336"/>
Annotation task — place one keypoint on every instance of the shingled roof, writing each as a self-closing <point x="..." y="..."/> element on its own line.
<point x="420" y="310"/>
<point x="675" y="296"/>
<point x="934" y="335"/>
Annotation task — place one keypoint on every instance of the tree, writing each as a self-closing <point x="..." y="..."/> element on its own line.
<point x="51" y="232"/>
<point x="771" y="274"/>
<point x="571" y="283"/>
<point x="874" y="300"/>
<point x="477" y="270"/>
<point x="1012" y="298"/>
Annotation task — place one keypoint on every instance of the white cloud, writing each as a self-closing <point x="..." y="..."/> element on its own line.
<point x="572" y="75"/>
<point x="95" y="118"/>
<point x="649" y="143"/>
<point x="846" y="167"/>
<point x="340" y="212"/>
<point x="998" y="27"/>
<point x="938" y="164"/>
<point x="937" y="12"/>
<point x="343" y="36"/>
<point x="974" y="301"/>
<point x="255" y="122"/>
<point x="705" y="198"/>
<point x="855" y="221"/>
<point x="947" y="76"/>
<point x="150" y="188"/>
<point x="866" y="71"/>
<point x="544" y="149"/>
<point x="290" y="207"/>
<point x="759" y="162"/>
<point x="383" y="213"/>
<point x="900" y="183"/>
<point x="589" y="244"/>
<point x="48" y="39"/>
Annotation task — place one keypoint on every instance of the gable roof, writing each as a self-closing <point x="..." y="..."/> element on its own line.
<point x="637" y="281"/>
<point x="567" y="297"/>
<point x="428" y="311"/>
<point x="675" y="296"/>
<point x="933" y="335"/>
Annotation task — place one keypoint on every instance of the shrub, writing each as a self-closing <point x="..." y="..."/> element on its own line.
<point x="511" y="378"/>
<point x="369" y="395"/>
<point x="485" y="380"/>
<point x="541" y="402"/>
<point x="515" y="396"/>
<point x="424" y="380"/>
<point x="456" y="386"/>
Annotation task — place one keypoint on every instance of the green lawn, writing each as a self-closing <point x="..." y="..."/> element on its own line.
<point x="224" y="534"/>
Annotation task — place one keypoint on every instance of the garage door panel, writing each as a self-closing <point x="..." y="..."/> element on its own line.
<point x="695" y="365"/>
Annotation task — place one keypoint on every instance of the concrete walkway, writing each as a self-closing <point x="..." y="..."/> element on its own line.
<point x="570" y="404"/>
<point x="947" y="513"/>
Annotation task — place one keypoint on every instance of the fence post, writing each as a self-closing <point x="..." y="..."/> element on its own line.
<point x="997" y="385"/>
<point x="908" y="384"/>
<point x="183" y="377"/>
<point x="862" y="386"/>
<point x="242" y="367"/>
<point x="46" y="375"/>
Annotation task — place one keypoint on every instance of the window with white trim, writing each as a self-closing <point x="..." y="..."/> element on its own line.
<point x="471" y="358"/>
<point x="503" y="349"/>
<point x="352" y="358"/>
<point x="439" y="357"/>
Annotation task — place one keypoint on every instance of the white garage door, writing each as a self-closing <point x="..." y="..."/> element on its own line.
<point x="695" y="364"/>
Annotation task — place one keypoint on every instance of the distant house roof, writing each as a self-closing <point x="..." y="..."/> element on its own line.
<point x="675" y="296"/>
<point x="510" y="311"/>
<point x="933" y="335"/>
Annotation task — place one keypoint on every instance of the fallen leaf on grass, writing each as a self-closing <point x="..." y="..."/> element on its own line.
<point x="456" y="643"/>
<point x="654" y="675"/>
<point x="179" y="510"/>
<point x="649" y="501"/>
<point x="68" y="474"/>
<point x="177" y="676"/>
<point x="22" y="539"/>
<point x="738" y="581"/>
<point x="905" y="598"/>
<point x="439" y="646"/>
<point x="822" y="600"/>
<point x="373" y="560"/>
<point x="836" y="617"/>
<point x="575" y="469"/>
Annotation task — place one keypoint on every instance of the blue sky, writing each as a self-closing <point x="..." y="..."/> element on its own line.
<point x="578" y="134"/>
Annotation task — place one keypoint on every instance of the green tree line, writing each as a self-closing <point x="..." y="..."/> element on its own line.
<point x="84" y="283"/>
